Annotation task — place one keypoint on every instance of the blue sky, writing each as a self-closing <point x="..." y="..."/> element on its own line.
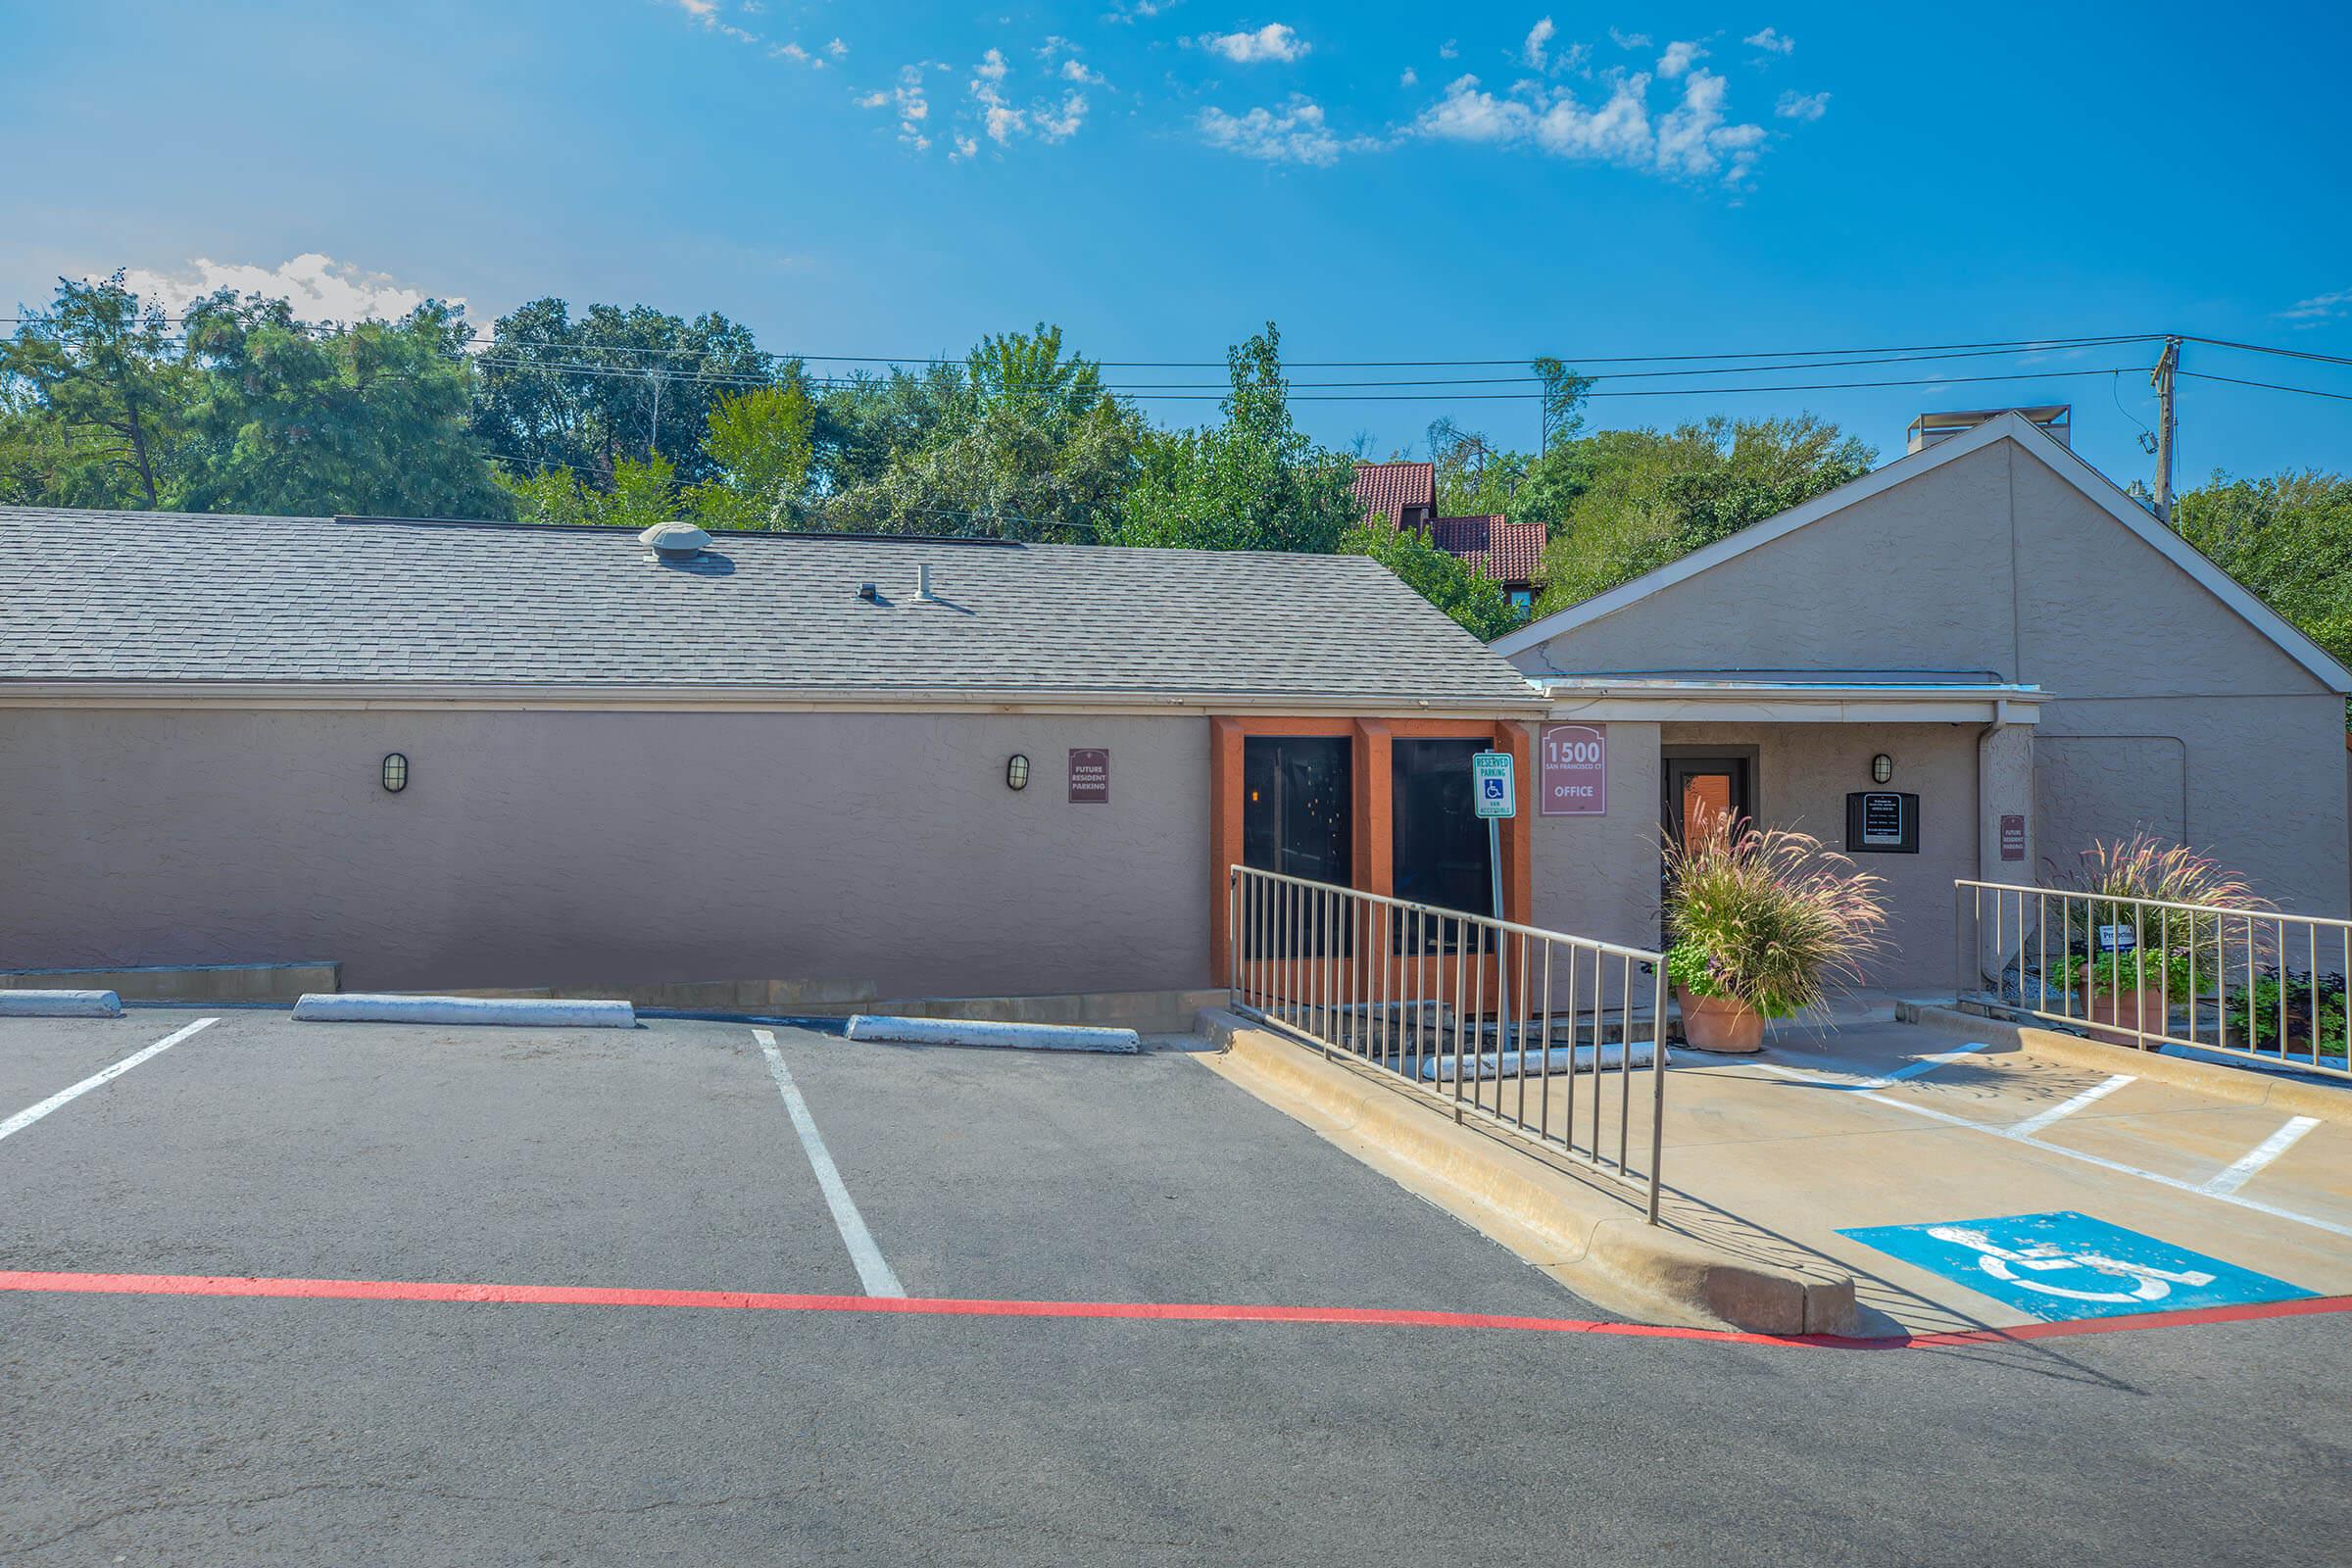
<point x="1387" y="181"/>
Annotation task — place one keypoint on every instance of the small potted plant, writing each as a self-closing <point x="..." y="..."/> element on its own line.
<point x="1762" y="921"/>
<point x="2130" y="961"/>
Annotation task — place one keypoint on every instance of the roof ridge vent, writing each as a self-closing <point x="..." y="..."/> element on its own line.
<point x="674" y="541"/>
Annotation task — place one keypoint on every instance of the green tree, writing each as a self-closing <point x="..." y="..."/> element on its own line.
<point x="583" y="394"/>
<point x="93" y="395"/>
<point x="293" y="419"/>
<point x="1447" y="581"/>
<point x="641" y="494"/>
<point x="1255" y="482"/>
<point x="1020" y="442"/>
<point x="2288" y="538"/>
<point x="1642" y="497"/>
<point x="760" y="443"/>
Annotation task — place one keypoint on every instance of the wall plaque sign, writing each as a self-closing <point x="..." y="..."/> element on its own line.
<point x="2013" y="838"/>
<point x="1090" y="775"/>
<point x="1882" y="822"/>
<point x="1575" y="770"/>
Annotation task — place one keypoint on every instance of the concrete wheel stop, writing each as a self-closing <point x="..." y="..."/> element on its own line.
<point x="60" y="1005"/>
<point x="1003" y="1036"/>
<point x="544" y="1013"/>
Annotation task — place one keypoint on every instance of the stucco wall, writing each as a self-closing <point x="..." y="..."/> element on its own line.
<point x="1597" y="876"/>
<point x="2169" y="709"/>
<point x="1803" y="773"/>
<point x="583" y="849"/>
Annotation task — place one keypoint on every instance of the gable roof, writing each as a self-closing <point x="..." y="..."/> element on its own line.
<point x="2012" y="427"/>
<point x="1506" y="552"/>
<point x="1386" y="489"/>
<point x="105" y="600"/>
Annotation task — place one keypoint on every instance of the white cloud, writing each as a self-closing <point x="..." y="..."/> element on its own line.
<point x="1693" y="138"/>
<point x="1054" y="44"/>
<point x="1450" y="48"/>
<point x="1772" y="41"/>
<point x="992" y="64"/>
<point x="705" y="12"/>
<point x="913" y="106"/>
<point x="838" y="50"/>
<point x="1410" y="79"/>
<point x="965" y="147"/>
<point x="797" y="55"/>
<point x="1806" y="106"/>
<point x="1274" y="41"/>
<point x="318" y="287"/>
<point x="1075" y="70"/>
<point x="2319" y="308"/>
<point x="1295" y="134"/>
<point x="1532" y="52"/>
<point x="1629" y="41"/>
<point x="1062" y="124"/>
<point x="1679" y="58"/>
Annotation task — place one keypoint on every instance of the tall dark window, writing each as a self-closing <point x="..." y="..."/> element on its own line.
<point x="1298" y="810"/>
<point x="1440" y="843"/>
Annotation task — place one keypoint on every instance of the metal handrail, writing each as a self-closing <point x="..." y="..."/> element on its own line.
<point x="1354" y="974"/>
<point x="2199" y="951"/>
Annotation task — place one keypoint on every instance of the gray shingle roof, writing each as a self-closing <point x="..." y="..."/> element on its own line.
<point x="103" y="596"/>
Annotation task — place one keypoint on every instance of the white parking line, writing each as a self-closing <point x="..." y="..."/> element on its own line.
<point x="1915" y="1069"/>
<point x="872" y="1271"/>
<point x="2088" y="1097"/>
<point x="2271" y="1209"/>
<point x="2260" y="1154"/>
<point x="32" y="1113"/>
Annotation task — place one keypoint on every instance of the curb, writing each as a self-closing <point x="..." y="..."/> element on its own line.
<point x="1009" y="1035"/>
<point x="60" y="1005"/>
<point x="2244" y="1086"/>
<point x="360" y="1007"/>
<point x="1596" y="1242"/>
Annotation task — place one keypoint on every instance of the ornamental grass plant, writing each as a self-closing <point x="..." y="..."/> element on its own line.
<point x="2165" y="948"/>
<point x="1767" y="916"/>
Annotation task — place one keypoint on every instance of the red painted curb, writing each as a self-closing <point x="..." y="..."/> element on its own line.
<point x="227" y="1285"/>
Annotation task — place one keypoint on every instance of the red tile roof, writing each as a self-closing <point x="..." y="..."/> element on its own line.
<point x="1507" y="551"/>
<point x="1386" y="489"/>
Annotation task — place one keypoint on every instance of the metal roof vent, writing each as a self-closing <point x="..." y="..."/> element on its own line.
<point x="674" y="541"/>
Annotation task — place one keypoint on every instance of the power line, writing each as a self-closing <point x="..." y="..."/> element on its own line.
<point x="2264" y="348"/>
<point x="2274" y="386"/>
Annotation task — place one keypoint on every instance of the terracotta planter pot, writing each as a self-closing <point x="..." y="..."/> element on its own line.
<point x="2147" y="1008"/>
<point x="1719" y="1024"/>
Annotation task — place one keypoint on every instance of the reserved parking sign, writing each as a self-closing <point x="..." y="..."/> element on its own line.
<point x="1491" y="781"/>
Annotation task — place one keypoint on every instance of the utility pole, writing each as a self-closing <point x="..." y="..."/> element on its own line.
<point x="2161" y="378"/>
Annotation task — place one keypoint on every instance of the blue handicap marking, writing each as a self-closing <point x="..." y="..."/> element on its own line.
<point x="2067" y="1266"/>
<point x="1494" y="789"/>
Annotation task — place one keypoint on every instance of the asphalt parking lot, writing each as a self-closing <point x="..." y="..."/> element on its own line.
<point x="592" y="1402"/>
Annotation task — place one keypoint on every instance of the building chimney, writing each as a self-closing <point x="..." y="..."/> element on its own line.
<point x="2054" y="420"/>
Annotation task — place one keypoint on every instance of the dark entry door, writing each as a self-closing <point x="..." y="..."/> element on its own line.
<point x="1298" y="815"/>
<point x="1697" y="787"/>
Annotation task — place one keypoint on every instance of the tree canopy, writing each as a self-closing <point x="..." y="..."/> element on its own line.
<point x="630" y="416"/>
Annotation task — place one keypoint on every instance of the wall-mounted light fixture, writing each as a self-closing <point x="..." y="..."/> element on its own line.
<point x="1882" y="769"/>
<point x="1016" y="773"/>
<point x="396" y="772"/>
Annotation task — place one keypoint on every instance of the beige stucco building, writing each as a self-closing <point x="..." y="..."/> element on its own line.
<point x="779" y="758"/>
<point x="2041" y="660"/>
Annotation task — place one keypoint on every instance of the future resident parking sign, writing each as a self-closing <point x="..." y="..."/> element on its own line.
<point x="1575" y="770"/>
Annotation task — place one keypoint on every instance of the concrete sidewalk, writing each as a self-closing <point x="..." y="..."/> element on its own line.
<point x="1772" y="1158"/>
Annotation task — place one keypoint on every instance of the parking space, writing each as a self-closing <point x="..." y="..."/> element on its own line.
<point x="179" y="1419"/>
<point x="1879" y="1127"/>
<point x="672" y="1157"/>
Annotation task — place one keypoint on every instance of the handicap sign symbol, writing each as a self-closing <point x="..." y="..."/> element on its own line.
<point x="2069" y="1265"/>
<point x="1493" y="788"/>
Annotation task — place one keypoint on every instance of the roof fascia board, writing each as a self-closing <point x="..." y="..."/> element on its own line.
<point x="1754" y="537"/>
<point x="2062" y="461"/>
<point x="659" y="699"/>
<point x="2058" y="458"/>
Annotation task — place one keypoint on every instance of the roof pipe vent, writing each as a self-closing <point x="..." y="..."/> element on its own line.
<point x="922" y="585"/>
<point x="674" y="541"/>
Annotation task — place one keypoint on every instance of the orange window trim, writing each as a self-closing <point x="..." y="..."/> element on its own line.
<point x="1374" y="869"/>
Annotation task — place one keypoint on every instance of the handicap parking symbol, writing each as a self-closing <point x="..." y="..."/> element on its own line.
<point x="2068" y="1265"/>
<point x="1493" y="788"/>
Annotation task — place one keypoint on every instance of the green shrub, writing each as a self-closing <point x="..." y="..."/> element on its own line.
<point x="1767" y="915"/>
